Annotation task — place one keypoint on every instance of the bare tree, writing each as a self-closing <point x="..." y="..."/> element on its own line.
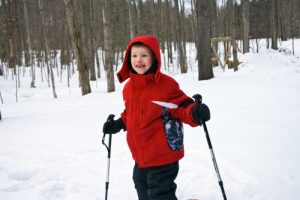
<point x="245" y="13"/>
<point x="108" y="45"/>
<point x="1" y="69"/>
<point x="274" y="24"/>
<point x="29" y="49"/>
<point x="1" y="99"/>
<point x="130" y="18"/>
<point x="77" y="44"/>
<point x="26" y="30"/>
<point x="203" y="47"/>
<point x="214" y="24"/>
<point x="180" y="40"/>
<point x="50" y="68"/>
<point x="292" y="22"/>
<point x="86" y="29"/>
<point x="11" y="24"/>
<point x="232" y="31"/>
<point x="168" y="31"/>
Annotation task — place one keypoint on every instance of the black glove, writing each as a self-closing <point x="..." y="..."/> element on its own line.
<point x="200" y="113"/>
<point x="112" y="126"/>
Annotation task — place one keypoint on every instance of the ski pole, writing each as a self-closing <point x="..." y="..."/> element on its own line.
<point x="109" y="120"/>
<point x="198" y="99"/>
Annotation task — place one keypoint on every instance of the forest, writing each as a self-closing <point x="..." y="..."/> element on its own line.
<point x="54" y="35"/>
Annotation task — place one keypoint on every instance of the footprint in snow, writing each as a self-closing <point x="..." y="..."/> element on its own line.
<point x="22" y="176"/>
<point x="54" y="191"/>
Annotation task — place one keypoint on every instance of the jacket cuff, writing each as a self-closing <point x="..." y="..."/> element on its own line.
<point x="121" y="124"/>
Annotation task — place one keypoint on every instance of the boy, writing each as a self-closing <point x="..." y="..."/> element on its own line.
<point x="155" y="108"/>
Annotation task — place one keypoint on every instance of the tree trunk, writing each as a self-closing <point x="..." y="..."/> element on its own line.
<point x="214" y="25"/>
<point x="28" y="41"/>
<point x="11" y="24"/>
<point x="245" y="6"/>
<point x="1" y="102"/>
<point x="131" y="27"/>
<point x="77" y="44"/>
<point x="42" y="15"/>
<point x="203" y="47"/>
<point x="282" y="13"/>
<point x="1" y="68"/>
<point x="274" y="23"/>
<point x="232" y="28"/>
<point x="180" y="40"/>
<point x="169" y="36"/>
<point x="93" y="47"/>
<point x="194" y="23"/>
<point x="86" y="29"/>
<point x="139" y="17"/>
<point x="291" y="10"/>
<point x="108" y="45"/>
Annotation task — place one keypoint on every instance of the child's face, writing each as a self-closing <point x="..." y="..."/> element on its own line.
<point x="141" y="58"/>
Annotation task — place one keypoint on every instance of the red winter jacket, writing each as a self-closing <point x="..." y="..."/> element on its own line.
<point x="145" y="131"/>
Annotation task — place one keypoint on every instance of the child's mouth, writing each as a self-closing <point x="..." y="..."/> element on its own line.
<point x="140" y="66"/>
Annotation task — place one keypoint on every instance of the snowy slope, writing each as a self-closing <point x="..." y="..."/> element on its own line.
<point x="50" y="149"/>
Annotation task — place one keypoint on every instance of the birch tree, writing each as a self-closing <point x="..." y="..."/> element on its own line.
<point x="108" y="45"/>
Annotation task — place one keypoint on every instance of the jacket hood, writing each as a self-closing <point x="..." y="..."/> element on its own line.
<point x="150" y="42"/>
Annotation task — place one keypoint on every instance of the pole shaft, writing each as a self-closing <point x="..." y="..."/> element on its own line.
<point x="214" y="161"/>
<point x="108" y="166"/>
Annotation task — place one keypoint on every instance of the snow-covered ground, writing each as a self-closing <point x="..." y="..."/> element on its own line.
<point x="50" y="149"/>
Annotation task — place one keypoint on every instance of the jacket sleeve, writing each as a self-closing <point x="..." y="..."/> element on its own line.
<point x="185" y="105"/>
<point x="184" y="114"/>
<point x="124" y="114"/>
<point x="123" y="117"/>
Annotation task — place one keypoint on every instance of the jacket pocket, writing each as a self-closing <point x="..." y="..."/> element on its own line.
<point x="173" y="129"/>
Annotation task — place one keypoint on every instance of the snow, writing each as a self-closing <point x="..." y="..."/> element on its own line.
<point x="50" y="149"/>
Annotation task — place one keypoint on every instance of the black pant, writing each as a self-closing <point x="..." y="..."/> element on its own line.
<point x="156" y="183"/>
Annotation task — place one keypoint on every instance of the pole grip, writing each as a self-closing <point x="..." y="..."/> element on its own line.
<point x="198" y="98"/>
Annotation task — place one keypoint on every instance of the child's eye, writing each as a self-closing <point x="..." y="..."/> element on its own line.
<point x="133" y="56"/>
<point x="145" y="55"/>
